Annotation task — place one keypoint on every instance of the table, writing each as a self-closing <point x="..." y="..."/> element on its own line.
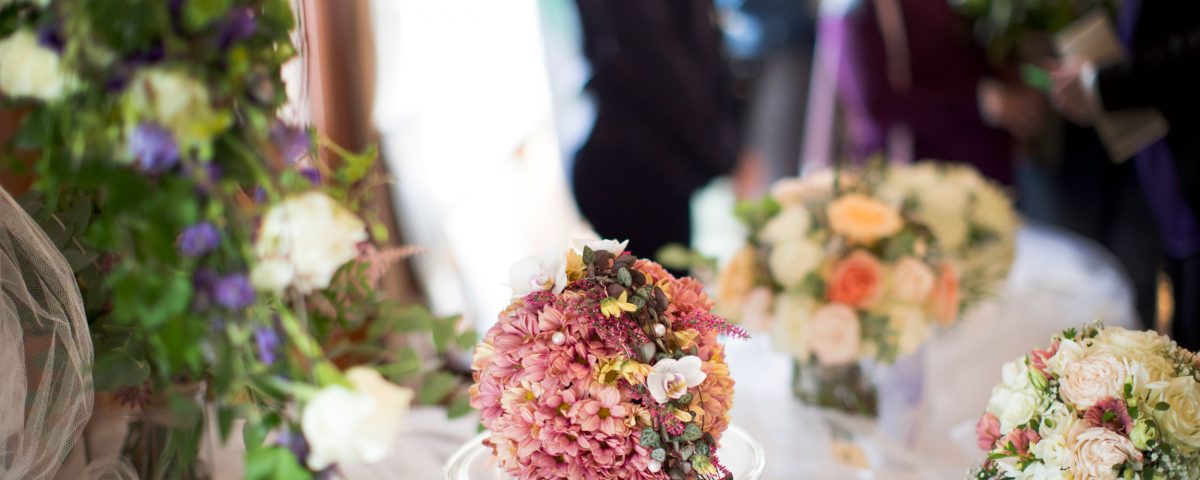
<point x="1058" y="281"/>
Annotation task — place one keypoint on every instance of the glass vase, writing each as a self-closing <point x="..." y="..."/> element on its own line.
<point x="901" y="399"/>
<point x="844" y="388"/>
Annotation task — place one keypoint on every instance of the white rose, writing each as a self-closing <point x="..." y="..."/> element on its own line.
<point x="912" y="280"/>
<point x="790" y="262"/>
<point x="790" y="224"/>
<point x="176" y="101"/>
<point x="1069" y="352"/>
<point x="833" y="334"/>
<point x="1096" y="451"/>
<point x="1181" y="422"/>
<point x="533" y="274"/>
<point x="1053" y="452"/>
<point x="303" y="241"/>
<point x="993" y="210"/>
<point x="353" y="426"/>
<point x="1057" y="421"/>
<point x="1014" y="400"/>
<point x="1097" y="377"/>
<point x="28" y="69"/>
<point x="910" y="325"/>
<point x="611" y="246"/>
<point x="789" y="329"/>
<point x="1146" y="348"/>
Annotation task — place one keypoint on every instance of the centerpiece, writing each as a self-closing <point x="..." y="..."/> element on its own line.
<point x="604" y="366"/>
<point x="851" y="271"/>
<point x="1098" y="403"/>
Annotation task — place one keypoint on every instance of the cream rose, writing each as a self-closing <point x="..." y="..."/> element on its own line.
<point x="1145" y="348"/>
<point x="833" y="334"/>
<point x="863" y="219"/>
<point x="790" y="262"/>
<point x="811" y="187"/>
<point x="942" y="207"/>
<point x="303" y="241"/>
<point x="912" y="280"/>
<point x="1096" y="377"/>
<point x="1069" y="351"/>
<point x="993" y="210"/>
<point x="345" y="425"/>
<point x="789" y="330"/>
<point x="28" y="69"/>
<point x="1096" y="451"/>
<point x="788" y="225"/>
<point x="1053" y="452"/>
<point x="1057" y="421"/>
<point x="1181" y="421"/>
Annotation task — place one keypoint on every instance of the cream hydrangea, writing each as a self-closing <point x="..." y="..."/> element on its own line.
<point x="28" y="69"/>
<point x="303" y="241"/>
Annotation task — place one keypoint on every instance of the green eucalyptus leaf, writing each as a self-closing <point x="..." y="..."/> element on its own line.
<point x="459" y="406"/>
<point x="436" y="387"/>
<point x="274" y="463"/>
<point x="118" y="368"/>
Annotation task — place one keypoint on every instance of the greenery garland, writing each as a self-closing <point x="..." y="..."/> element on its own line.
<point x="204" y="236"/>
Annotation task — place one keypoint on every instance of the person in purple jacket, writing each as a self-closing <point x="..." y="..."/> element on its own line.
<point x="1162" y="71"/>
<point x="914" y="85"/>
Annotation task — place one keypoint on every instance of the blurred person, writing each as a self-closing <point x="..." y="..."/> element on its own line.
<point x="915" y="85"/>
<point x="665" y="118"/>
<point x="1163" y="71"/>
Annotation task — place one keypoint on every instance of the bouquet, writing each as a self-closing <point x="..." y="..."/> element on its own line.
<point x="604" y="366"/>
<point x="839" y="274"/>
<point x="1103" y="403"/>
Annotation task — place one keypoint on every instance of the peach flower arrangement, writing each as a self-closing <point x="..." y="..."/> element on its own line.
<point x="604" y="366"/>
<point x="838" y="273"/>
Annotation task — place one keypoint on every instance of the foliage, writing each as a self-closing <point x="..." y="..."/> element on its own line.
<point x="153" y="169"/>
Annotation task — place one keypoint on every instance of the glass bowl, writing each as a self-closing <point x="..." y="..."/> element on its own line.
<point x="742" y="455"/>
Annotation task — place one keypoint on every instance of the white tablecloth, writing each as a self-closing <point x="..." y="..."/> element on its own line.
<point x="1058" y="281"/>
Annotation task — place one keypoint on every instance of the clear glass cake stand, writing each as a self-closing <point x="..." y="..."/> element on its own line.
<point x="740" y="453"/>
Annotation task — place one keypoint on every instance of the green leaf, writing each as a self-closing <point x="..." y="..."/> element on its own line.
<point x="198" y="14"/>
<point x="406" y="364"/>
<point x="436" y="387"/>
<point x="1162" y="406"/>
<point x="467" y="339"/>
<point x="459" y="406"/>
<point x="274" y="463"/>
<point x="117" y="368"/>
<point x="445" y="330"/>
<point x="254" y="434"/>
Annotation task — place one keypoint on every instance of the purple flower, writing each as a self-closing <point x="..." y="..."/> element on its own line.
<point x="50" y="36"/>
<point x="295" y="442"/>
<point x="313" y="175"/>
<point x="292" y="142"/>
<point x="267" y="341"/>
<point x="240" y="25"/>
<point x="198" y="239"/>
<point x="233" y="291"/>
<point x="154" y="148"/>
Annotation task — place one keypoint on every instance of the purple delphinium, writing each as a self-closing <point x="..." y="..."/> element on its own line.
<point x="292" y="142"/>
<point x="233" y="291"/>
<point x="294" y="442"/>
<point x="203" y="281"/>
<point x="240" y="25"/>
<point x="153" y="148"/>
<point x="50" y="36"/>
<point x="267" y="341"/>
<point x="313" y="175"/>
<point x="199" y="239"/>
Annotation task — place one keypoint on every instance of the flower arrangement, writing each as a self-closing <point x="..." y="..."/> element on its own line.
<point x="604" y="366"/>
<point x="837" y="273"/>
<point x="1101" y="403"/>
<point x="224" y="268"/>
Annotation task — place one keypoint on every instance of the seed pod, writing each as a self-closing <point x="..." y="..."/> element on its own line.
<point x="647" y="351"/>
<point x="639" y="278"/>
<point x="614" y="290"/>
<point x="660" y="297"/>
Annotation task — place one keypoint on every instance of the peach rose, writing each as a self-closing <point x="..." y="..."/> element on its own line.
<point x="1092" y="379"/>
<point x="863" y="219"/>
<point x="912" y="280"/>
<point x="833" y="334"/>
<point x="1097" y="450"/>
<point x="944" y="298"/>
<point x="855" y="280"/>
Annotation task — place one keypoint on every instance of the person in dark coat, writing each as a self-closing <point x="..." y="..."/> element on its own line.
<point x="665" y="118"/>
<point x="1162" y="71"/>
